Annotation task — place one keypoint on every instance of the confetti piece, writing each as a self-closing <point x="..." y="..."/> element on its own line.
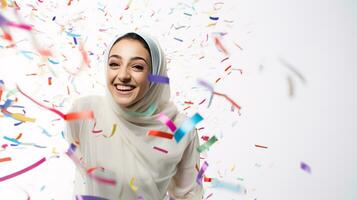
<point x="226" y="185"/>
<point x="49" y="80"/>
<point x="213" y="18"/>
<point x="69" y="2"/>
<point x="132" y="186"/>
<point x="260" y="146"/>
<point x="229" y="99"/>
<point x="89" y="197"/>
<point x="205" y="138"/>
<point x="224" y="59"/>
<point x="54" y="18"/>
<point x="290" y="86"/>
<point x="178" y="39"/>
<point x="158" y="79"/>
<point x="206" y="85"/>
<point x="228" y="68"/>
<point x="148" y="112"/>
<point x="96" y="131"/>
<point x="296" y="72"/>
<point x="53" y="62"/>
<point x="160" y="134"/>
<point x="68" y="116"/>
<point x="114" y="128"/>
<point x="75" y="40"/>
<point x="70" y="34"/>
<point x="207" y="144"/>
<point x="305" y="167"/>
<point x="36" y="164"/>
<point x="187" y="126"/>
<point x="166" y="120"/>
<point x="219" y="45"/>
<point x="3" y="3"/>
<point x="5" y="159"/>
<point x="11" y="140"/>
<point x="128" y="5"/>
<point x="160" y="149"/>
<point x="20" y="26"/>
<point x="201" y="172"/>
<point x="202" y="102"/>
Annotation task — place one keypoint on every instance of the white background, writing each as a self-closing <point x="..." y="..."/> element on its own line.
<point x="315" y="126"/>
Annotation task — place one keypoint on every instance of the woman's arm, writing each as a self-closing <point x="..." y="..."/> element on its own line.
<point x="183" y="185"/>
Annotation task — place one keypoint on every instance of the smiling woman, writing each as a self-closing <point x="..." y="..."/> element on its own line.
<point x="141" y="165"/>
<point x="129" y="67"/>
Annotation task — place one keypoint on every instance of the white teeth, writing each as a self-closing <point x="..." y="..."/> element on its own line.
<point x="124" y="87"/>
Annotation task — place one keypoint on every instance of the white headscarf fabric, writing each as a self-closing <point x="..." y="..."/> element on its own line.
<point x="129" y="153"/>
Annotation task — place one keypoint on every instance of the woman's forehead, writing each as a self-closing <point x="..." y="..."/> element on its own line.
<point x="129" y="46"/>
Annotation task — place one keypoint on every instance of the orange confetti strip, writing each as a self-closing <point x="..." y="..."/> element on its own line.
<point x="160" y="134"/>
<point x="49" y="80"/>
<point x="79" y="115"/>
<point x="19" y="136"/>
<point x="5" y="159"/>
<point x="219" y="45"/>
<point x="3" y="3"/>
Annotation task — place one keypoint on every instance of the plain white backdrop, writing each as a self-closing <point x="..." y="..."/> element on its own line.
<point x="316" y="125"/>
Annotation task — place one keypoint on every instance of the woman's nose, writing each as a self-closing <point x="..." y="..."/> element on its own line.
<point x="124" y="74"/>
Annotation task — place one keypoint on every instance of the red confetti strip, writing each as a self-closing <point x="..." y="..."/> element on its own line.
<point x="68" y="116"/>
<point x="160" y="149"/>
<point x="202" y="102"/>
<point x="205" y="138"/>
<point x="187" y="108"/>
<point x="229" y="99"/>
<point x="36" y="164"/>
<point x="96" y="131"/>
<point x="160" y="134"/>
<point x="49" y="80"/>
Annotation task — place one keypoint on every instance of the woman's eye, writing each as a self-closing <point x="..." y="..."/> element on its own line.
<point x="138" y="67"/>
<point x="113" y="65"/>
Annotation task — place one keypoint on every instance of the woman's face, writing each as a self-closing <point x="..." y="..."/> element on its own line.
<point x="128" y="69"/>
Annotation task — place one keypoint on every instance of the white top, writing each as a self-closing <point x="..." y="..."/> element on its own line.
<point x="130" y="154"/>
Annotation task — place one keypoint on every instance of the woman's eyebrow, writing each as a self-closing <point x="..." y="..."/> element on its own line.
<point x="132" y="58"/>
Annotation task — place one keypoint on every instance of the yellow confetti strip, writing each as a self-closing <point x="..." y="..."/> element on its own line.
<point x="3" y="3"/>
<point x="113" y="131"/>
<point x="23" y="118"/>
<point x="132" y="185"/>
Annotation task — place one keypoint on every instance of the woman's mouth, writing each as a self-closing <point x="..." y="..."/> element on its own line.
<point x="124" y="89"/>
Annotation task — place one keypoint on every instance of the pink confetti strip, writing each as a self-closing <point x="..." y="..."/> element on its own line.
<point x="201" y="172"/>
<point x="68" y="116"/>
<point x="166" y="120"/>
<point x="4" y="178"/>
